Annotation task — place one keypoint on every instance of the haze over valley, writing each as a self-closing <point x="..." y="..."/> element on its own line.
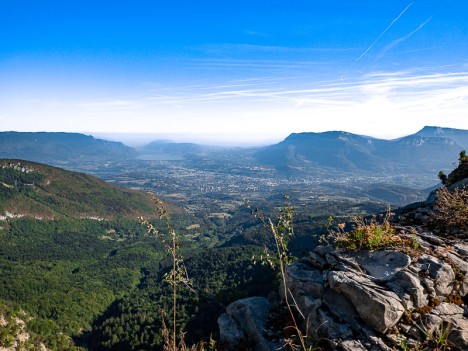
<point x="318" y="166"/>
<point x="223" y="176"/>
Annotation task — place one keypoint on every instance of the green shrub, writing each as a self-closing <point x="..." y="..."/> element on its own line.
<point x="367" y="235"/>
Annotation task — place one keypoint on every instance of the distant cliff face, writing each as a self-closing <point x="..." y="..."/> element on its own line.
<point x="428" y="150"/>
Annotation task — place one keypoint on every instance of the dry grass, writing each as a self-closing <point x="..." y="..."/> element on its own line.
<point x="451" y="208"/>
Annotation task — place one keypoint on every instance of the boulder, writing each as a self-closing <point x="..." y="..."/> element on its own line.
<point x="314" y="260"/>
<point x="303" y="279"/>
<point x="462" y="266"/>
<point x="380" y="309"/>
<point x="230" y="332"/>
<point x="341" y="308"/>
<point x="407" y="286"/>
<point x="351" y="345"/>
<point x="245" y="319"/>
<point x="456" y="324"/>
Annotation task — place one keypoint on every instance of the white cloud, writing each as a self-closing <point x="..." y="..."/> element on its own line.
<point x="402" y="39"/>
<point x="107" y="103"/>
<point x="379" y="104"/>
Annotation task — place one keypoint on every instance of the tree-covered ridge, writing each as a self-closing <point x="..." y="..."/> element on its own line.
<point x="94" y="281"/>
<point x="37" y="190"/>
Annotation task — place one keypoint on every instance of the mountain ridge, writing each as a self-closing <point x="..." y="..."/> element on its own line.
<point x="45" y="192"/>
<point x="426" y="150"/>
<point x="61" y="147"/>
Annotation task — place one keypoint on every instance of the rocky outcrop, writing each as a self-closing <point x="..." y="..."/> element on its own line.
<point x="371" y="300"/>
<point x="411" y="298"/>
<point x="14" y="334"/>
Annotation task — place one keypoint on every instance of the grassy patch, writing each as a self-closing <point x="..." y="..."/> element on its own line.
<point x="373" y="234"/>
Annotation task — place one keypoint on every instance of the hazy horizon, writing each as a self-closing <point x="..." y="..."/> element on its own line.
<point x="237" y="72"/>
<point x="141" y="139"/>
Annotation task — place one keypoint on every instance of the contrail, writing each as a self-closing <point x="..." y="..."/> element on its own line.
<point x="385" y="31"/>
<point x="380" y="36"/>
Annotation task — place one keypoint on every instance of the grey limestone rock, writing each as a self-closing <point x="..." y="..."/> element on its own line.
<point x="351" y="345"/>
<point x="439" y="272"/>
<point x="379" y="308"/>
<point x="340" y="307"/>
<point x="457" y="324"/>
<point x="462" y="249"/>
<point x="462" y="265"/>
<point x="322" y="250"/>
<point x="230" y="332"/>
<point x="315" y="260"/>
<point x="407" y="286"/>
<point x="331" y="329"/>
<point x="383" y="265"/>
<point x="303" y="279"/>
<point x="251" y="316"/>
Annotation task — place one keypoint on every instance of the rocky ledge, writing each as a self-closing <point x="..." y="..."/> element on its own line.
<point x="364" y="300"/>
<point x="391" y="299"/>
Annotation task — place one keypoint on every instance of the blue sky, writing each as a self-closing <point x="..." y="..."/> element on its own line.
<point x="233" y="71"/>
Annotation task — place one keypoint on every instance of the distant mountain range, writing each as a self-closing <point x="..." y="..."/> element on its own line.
<point x="57" y="148"/>
<point x="168" y="150"/>
<point x="429" y="150"/>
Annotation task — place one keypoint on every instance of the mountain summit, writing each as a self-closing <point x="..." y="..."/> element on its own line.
<point x="428" y="151"/>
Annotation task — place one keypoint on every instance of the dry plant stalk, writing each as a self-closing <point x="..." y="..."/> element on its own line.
<point x="282" y="232"/>
<point x="176" y="276"/>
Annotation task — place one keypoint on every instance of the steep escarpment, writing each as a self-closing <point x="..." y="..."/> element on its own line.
<point x="406" y="288"/>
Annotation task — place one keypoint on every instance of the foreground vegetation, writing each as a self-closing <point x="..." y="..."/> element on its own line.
<point x="97" y="282"/>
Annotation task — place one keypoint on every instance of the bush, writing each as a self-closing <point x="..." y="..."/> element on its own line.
<point x="451" y="208"/>
<point x="367" y="235"/>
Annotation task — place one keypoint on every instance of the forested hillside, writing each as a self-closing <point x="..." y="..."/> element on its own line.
<point x="37" y="190"/>
<point x="82" y="272"/>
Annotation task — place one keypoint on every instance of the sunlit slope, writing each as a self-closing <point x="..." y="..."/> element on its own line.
<point x="38" y="190"/>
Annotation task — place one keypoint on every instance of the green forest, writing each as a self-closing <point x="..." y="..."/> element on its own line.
<point x="99" y="284"/>
<point x="80" y="269"/>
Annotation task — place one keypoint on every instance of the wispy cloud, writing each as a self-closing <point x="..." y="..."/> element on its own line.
<point x="383" y="33"/>
<point x="370" y="84"/>
<point x="118" y="103"/>
<point x="378" y="104"/>
<point x="402" y="39"/>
